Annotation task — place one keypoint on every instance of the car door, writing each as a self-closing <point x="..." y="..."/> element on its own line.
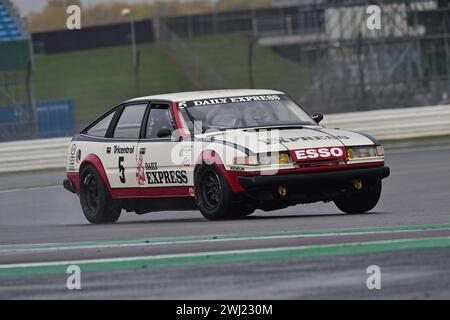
<point x="158" y="165"/>
<point x="121" y="149"/>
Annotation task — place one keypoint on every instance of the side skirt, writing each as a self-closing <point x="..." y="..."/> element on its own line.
<point x="143" y="206"/>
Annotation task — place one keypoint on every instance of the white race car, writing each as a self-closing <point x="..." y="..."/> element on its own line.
<point x="226" y="153"/>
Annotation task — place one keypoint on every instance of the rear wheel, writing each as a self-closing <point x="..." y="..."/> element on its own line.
<point x="96" y="202"/>
<point x="213" y="195"/>
<point x="360" y="202"/>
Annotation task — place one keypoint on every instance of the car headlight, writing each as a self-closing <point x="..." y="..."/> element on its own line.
<point x="264" y="159"/>
<point x="380" y="151"/>
<point x="246" y="161"/>
<point x="284" y="158"/>
<point x="363" y="152"/>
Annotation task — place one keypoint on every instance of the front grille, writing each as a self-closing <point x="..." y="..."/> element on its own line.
<point x="318" y="164"/>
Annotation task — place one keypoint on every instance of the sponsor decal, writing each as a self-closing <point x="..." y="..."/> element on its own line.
<point x="308" y="138"/>
<point x="186" y="154"/>
<point x="167" y="177"/>
<point x="123" y="150"/>
<point x="151" y="166"/>
<point x="140" y="172"/>
<point x="155" y="176"/>
<point x="242" y="99"/>
<point x="318" y="154"/>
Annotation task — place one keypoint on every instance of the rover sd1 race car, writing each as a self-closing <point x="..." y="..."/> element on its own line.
<point x="225" y="153"/>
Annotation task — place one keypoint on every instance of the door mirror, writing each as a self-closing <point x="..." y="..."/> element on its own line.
<point x="164" y="132"/>
<point x="317" y="117"/>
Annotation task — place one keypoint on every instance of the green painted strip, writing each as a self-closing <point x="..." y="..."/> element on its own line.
<point x="164" y="240"/>
<point x="227" y="256"/>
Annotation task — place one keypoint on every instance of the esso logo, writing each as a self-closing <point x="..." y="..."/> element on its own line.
<point x="327" y="153"/>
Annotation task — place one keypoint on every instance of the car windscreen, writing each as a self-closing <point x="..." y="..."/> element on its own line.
<point x="246" y="112"/>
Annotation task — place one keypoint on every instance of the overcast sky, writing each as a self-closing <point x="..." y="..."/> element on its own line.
<point x="26" y="6"/>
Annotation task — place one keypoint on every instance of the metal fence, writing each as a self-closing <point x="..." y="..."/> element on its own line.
<point x="91" y="37"/>
<point x="321" y="54"/>
<point x="199" y="71"/>
<point x="298" y="19"/>
<point x="341" y="64"/>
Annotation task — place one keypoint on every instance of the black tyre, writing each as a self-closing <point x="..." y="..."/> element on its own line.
<point x="360" y="202"/>
<point x="96" y="202"/>
<point x="213" y="195"/>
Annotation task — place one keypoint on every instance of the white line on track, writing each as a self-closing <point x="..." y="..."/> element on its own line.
<point x="198" y="254"/>
<point x="60" y="248"/>
<point x="30" y="189"/>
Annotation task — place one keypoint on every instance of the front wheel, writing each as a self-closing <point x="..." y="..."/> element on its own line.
<point x="96" y="202"/>
<point x="213" y="195"/>
<point x="360" y="202"/>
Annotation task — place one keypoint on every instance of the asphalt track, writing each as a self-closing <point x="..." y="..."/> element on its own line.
<point x="304" y="252"/>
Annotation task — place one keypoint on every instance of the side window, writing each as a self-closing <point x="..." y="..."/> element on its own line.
<point x="99" y="129"/>
<point x="129" y="124"/>
<point x="158" y="118"/>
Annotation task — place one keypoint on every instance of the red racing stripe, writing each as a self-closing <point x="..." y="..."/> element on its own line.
<point x="162" y="192"/>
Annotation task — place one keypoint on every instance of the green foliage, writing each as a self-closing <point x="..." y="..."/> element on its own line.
<point x="228" y="55"/>
<point x="98" y="79"/>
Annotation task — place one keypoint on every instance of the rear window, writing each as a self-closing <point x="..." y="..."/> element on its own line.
<point x="101" y="127"/>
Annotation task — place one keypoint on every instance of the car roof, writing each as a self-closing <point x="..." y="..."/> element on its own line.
<point x="208" y="94"/>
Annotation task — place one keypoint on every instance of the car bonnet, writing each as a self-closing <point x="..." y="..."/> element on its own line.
<point x="280" y="139"/>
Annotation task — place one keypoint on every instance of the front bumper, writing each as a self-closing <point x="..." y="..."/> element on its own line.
<point x="321" y="178"/>
<point x="67" y="183"/>
<point x="72" y="182"/>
